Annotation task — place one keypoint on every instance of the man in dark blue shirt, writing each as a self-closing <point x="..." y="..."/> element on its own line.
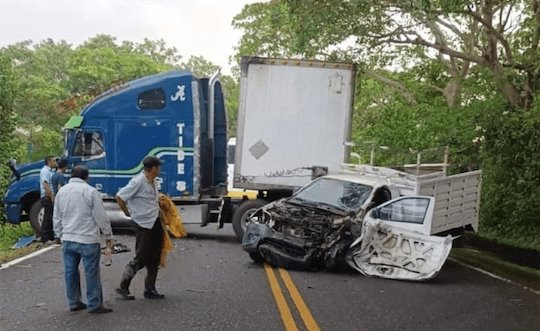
<point x="58" y="179"/>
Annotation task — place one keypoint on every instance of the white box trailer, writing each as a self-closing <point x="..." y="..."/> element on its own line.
<point x="293" y="115"/>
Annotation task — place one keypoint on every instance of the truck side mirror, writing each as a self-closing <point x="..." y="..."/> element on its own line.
<point x="13" y="166"/>
<point x="376" y="213"/>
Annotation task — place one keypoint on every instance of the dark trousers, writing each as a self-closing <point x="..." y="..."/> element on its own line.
<point x="148" y="246"/>
<point x="47" y="232"/>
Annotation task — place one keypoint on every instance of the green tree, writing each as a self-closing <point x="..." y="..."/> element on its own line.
<point x="200" y="66"/>
<point x="204" y="68"/>
<point x="8" y="143"/>
<point x="499" y="36"/>
<point x="41" y="73"/>
<point x="459" y="73"/>
<point x="100" y="62"/>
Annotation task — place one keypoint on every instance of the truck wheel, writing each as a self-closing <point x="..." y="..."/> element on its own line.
<point x="242" y="214"/>
<point x="36" y="217"/>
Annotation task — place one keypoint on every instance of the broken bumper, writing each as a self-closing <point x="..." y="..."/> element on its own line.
<point x="276" y="248"/>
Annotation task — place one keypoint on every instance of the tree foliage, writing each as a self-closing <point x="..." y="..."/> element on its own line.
<point x="463" y="74"/>
<point x="499" y="36"/>
<point x="8" y="143"/>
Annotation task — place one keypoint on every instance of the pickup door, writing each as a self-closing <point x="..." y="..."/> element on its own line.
<point x="394" y="243"/>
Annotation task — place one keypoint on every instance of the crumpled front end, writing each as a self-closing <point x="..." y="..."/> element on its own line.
<point x="389" y="252"/>
<point x="299" y="237"/>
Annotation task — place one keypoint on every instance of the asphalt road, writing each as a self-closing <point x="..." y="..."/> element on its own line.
<point x="211" y="284"/>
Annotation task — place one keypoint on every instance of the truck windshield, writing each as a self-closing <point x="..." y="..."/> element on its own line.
<point x="67" y="133"/>
<point x="338" y="193"/>
<point x="88" y="144"/>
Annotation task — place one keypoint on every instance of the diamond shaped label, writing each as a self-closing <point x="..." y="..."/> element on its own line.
<point x="258" y="149"/>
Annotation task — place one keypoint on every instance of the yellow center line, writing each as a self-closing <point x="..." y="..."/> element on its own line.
<point x="283" y="307"/>
<point x="305" y="313"/>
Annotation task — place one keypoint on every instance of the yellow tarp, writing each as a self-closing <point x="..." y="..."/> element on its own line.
<point x="172" y="222"/>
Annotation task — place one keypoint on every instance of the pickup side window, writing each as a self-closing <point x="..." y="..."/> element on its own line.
<point x="408" y="210"/>
<point x="380" y="196"/>
<point x="89" y="144"/>
<point x="151" y="100"/>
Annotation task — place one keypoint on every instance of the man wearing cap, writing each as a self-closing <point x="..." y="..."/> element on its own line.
<point x="139" y="199"/>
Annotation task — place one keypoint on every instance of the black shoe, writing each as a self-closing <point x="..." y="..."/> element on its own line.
<point x="77" y="307"/>
<point x="57" y="241"/>
<point x="124" y="294"/>
<point x="153" y="294"/>
<point x="101" y="310"/>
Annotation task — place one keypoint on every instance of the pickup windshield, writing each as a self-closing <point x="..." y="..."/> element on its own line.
<point x="334" y="192"/>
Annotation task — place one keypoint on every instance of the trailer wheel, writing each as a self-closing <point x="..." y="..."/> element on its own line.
<point x="36" y="217"/>
<point x="243" y="213"/>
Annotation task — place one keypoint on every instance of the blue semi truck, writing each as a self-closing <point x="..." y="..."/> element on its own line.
<point x="182" y="120"/>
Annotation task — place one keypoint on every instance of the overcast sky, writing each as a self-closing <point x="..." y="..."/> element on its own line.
<point x="194" y="27"/>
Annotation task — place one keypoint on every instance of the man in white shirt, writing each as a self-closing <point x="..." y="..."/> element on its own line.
<point x="140" y="200"/>
<point x="79" y="217"/>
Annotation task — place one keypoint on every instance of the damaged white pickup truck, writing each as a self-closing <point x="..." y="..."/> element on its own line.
<point x="380" y="221"/>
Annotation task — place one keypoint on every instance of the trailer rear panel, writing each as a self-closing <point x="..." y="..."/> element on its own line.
<point x="292" y="115"/>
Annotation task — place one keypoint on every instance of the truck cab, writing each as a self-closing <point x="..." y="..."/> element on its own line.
<point x="174" y="116"/>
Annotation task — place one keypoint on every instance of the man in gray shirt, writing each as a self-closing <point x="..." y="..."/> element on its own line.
<point x="139" y="199"/>
<point x="79" y="217"/>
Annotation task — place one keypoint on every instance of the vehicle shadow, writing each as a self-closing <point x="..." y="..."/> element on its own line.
<point x="214" y="237"/>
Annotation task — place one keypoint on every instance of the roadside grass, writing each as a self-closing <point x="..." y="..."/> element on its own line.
<point x="531" y="241"/>
<point x="488" y="261"/>
<point x="9" y="234"/>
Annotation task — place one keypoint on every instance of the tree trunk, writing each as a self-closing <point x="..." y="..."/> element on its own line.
<point x="509" y="91"/>
<point x="452" y="92"/>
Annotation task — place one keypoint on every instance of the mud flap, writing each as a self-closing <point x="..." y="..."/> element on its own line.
<point x="389" y="252"/>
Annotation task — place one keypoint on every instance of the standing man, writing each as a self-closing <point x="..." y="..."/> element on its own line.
<point x="79" y="217"/>
<point x="140" y="200"/>
<point x="58" y="180"/>
<point x="47" y="198"/>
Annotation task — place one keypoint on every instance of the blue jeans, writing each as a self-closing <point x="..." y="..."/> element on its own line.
<point x="90" y="255"/>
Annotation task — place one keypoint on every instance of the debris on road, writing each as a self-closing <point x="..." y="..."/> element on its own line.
<point x="23" y="242"/>
<point x="117" y="247"/>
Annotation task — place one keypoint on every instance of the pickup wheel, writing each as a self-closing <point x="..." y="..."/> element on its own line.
<point x="242" y="214"/>
<point x="36" y="217"/>
<point x="256" y="257"/>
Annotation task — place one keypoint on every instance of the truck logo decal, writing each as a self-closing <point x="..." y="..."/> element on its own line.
<point x="181" y="186"/>
<point x="180" y="94"/>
